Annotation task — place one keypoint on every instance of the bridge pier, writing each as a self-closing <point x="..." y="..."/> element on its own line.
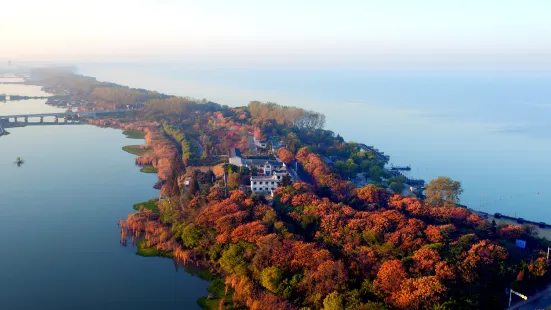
<point x="65" y="120"/>
<point x="26" y="119"/>
<point x="56" y="120"/>
<point x="15" y="118"/>
<point x="42" y="119"/>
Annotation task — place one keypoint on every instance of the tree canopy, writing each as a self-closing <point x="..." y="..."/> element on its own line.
<point x="443" y="191"/>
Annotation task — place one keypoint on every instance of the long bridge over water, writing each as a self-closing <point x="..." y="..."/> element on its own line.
<point x="68" y="117"/>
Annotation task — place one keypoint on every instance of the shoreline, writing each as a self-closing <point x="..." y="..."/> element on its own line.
<point x="151" y="169"/>
<point x="193" y="214"/>
<point x="393" y="169"/>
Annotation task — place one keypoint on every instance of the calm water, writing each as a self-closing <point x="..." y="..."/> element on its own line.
<point x="489" y="130"/>
<point x="58" y="225"/>
<point x="22" y="90"/>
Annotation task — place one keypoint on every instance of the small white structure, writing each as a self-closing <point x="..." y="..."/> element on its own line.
<point x="187" y="182"/>
<point x="235" y="157"/>
<point x="260" y="143"/>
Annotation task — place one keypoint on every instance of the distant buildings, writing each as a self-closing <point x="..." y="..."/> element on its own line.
<point x="270" y="171"/>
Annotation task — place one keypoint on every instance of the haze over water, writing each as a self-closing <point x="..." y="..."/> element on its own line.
<point x="489" y="130"/>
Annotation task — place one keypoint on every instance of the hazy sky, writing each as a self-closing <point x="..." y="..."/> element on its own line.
<point x="345" y="32"/>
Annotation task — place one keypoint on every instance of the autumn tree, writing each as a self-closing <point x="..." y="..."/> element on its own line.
<point x="234" y="180"/>
<point x="443" y="191"/>
<point x="390" y="277"/>
<point x="285" y="155"/>
<point x="372" y="194"/>
<point x="420" y="293"/>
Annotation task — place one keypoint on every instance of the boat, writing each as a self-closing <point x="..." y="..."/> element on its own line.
<point x="19" y="161"/>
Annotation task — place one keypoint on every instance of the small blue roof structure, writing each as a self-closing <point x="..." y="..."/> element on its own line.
<point x="235" y="152"/>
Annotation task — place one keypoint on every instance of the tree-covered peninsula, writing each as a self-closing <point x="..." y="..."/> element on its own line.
<point x="320" y="239"/>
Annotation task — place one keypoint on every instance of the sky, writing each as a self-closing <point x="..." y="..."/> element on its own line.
<point x="492" y="33"/>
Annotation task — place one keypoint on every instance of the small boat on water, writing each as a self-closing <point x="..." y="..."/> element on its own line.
<point x="19" y="161"/>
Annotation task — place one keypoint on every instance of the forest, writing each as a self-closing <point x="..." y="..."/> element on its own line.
<point x="354" y="248"/>
<point x="319" y="243"/>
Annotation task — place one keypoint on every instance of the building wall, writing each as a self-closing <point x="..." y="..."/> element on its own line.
<point x="264" y="185"/>
<point x="236" y="161"/>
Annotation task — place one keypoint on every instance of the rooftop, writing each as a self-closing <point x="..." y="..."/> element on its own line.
<point x="262" y="162"/>
<point x="263" y="178"/>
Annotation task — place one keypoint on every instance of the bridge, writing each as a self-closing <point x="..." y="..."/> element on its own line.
<point x="13" y="82"/>
<point x="4" y="97"/>
<point x="5" y="119"/>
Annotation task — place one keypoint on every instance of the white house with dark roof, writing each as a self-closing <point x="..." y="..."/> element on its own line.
<point x="264" y="184"/>
<point x="271" y="172"/>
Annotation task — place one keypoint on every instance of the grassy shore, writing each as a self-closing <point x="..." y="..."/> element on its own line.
<point x="135" y="149"/>
<point x="134" y="134"/>
<point x="148" y="169"/>
<point x="217" y="292"/>
<point x="149" y="205"/>
<point x="149" y="252"/>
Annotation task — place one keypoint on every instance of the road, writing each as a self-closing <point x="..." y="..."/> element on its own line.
<point x="541" y="300"/>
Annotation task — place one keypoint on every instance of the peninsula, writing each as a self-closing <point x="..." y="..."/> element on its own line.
<point x="287" y="215"/>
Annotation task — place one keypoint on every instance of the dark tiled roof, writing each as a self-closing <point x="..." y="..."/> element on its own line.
<point x="262" y="162"/>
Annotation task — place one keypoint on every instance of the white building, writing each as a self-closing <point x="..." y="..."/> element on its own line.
<point x="264" y="166"/>
<point x="260" y="143"/>
<point x="264" y="184"/>
<point x="235" y="157"/>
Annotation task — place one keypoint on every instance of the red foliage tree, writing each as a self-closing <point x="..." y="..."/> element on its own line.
<point x="390" y="277"/>
<point x="481" y="255"/>
<point x="420" y="293"/>
<point x="285" y="155"/>
<point x="424" y="261"/>
<point x="249" y="232"/>
<point x="538" y="267"/>
<point x="372" y="194"/>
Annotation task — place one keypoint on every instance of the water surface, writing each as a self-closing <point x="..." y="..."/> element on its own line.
<point x="58" y="225"/>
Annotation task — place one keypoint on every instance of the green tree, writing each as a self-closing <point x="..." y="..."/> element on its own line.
<point x="365" y="165"/>
<point x="233" y="260"/>
<point x="397" y="187"/>
<point x="271" y="278"/>
<point x="443" y="192"/>
<point x="191" y="236"/>
<point x="375" y="173"/>
<point x="340" y="167"/>
<point x="333" y="301"/>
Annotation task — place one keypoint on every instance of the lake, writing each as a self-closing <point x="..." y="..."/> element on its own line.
<point x="489" y="130"/>
<point x="59" y="211"/>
